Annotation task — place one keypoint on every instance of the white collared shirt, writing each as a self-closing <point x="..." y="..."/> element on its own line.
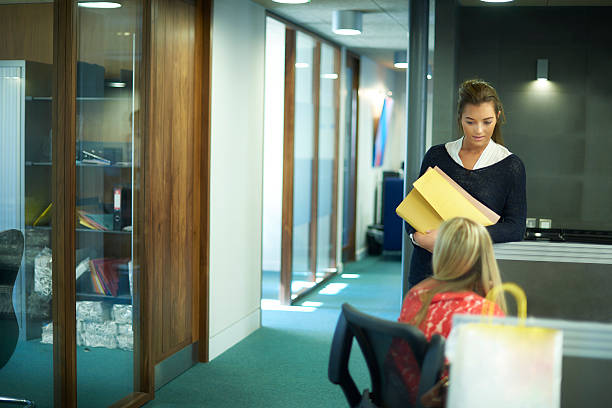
<point x="492" y="154"/>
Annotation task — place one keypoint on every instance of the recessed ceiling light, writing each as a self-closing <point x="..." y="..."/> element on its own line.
<point x="291" y="1"/>
<point x="496" y="1"/>
<point x="99" y="4"/>
<point x="301" y="65"/>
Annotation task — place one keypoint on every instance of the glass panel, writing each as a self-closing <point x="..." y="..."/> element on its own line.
<point x="349" y="112"/>
<point x="274" y="108"/>
<point x="26" y="72"/>
<point x="327" y="136"/>
<point x="107" y="104"/>
<point x="304" y="148"/>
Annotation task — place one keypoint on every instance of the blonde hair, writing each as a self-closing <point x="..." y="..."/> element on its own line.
<point x="463" y="259"/>
<point x="476" y="92"/>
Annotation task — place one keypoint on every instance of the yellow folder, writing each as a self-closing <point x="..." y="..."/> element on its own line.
<point x="435" y="198"/>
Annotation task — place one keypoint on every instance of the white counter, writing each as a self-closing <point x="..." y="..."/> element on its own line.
<point x="544" y="251"/>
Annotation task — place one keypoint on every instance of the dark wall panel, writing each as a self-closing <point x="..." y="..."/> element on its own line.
<point x="561" y="128"/>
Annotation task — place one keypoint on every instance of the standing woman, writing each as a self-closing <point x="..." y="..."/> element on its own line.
<point x="479" y="163"/>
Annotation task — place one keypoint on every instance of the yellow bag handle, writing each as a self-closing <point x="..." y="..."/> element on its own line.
<point x="519" y="296"/>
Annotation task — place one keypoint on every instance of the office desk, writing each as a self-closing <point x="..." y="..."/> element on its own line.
<point x="561" y="280"/>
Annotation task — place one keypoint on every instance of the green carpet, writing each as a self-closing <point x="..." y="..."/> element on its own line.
<point x="104" y="375"/>
<point x="284" y="364"/>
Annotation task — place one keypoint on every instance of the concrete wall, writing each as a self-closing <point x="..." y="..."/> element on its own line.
<point x="236" y="172"/>
<point x="559" y="128"/>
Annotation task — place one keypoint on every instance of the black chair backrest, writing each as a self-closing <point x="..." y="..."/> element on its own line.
<point x="11" y="253"/>
<point x="386" y="346"/>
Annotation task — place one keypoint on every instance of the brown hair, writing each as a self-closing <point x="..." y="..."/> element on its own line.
<point x="463" y="259"/>
<point x="475" y="92"/>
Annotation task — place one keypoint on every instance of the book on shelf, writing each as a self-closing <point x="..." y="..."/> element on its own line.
<point x="92" y="158"/>
<point x="436" y="197"/>
<point x="105" y="275"/>
<point x="100" y="222"/>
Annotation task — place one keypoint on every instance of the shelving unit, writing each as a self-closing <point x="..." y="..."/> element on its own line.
<point x="100" y="130"/>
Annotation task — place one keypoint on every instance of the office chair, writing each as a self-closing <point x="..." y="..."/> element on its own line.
<point x="380" y="340"/>
<point x="11" y="253"/>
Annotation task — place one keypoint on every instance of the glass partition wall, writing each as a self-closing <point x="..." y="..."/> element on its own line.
<point x="26" y="296"/>
<point x="106" y="106"/>
<point x="273" y="158"/>
<point x="327" y="173"/>
<point x="300" y="161"/>
<point x="108" y="58"/>
<point x="303" y="141"/>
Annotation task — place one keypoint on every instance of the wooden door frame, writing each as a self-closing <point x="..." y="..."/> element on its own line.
<point x="348" y="251"/>
<point x="203" y="71"/>
<point x="334" y="215"/>
<point x="288" y="169"/>
<point x="63" y="240"/>
<point x="314" y="179"/>
<point x="65" y="29"/>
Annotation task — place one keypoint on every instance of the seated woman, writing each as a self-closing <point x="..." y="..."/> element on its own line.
<point x="464" y="270"/>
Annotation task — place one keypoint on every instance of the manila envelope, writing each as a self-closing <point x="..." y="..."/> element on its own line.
<point x="436" y="198"/>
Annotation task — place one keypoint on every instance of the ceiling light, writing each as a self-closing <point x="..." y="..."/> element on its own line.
<point x="400" y="59"/>
<point x="329" y="76"/>
<point x="347" y="22"/>
<point x="291" y="1"/>
<point x="301" y="65"/>
<point x="496" y="1"/>
<point x="99" y="4"/>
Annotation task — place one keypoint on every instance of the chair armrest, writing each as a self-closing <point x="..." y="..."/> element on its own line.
<point x="338" y="372"/>
<point x="433" y="364"/>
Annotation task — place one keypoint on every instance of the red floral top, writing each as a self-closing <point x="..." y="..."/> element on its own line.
<point x="442" y="308"/>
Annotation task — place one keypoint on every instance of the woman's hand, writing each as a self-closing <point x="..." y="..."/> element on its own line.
<point x="435" y="397"/>
<point x="426" y="240"/>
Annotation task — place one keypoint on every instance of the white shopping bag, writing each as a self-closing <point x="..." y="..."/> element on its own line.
<point x="504" y="366"/>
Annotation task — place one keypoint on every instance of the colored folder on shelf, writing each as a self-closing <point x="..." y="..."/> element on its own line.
<point x="105" y="275"/>
<point x="435" y="198"/>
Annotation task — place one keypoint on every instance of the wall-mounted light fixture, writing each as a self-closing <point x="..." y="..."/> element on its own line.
<point x="347" y="22"/>
<point x="400" y="59"/>
<point x="542" y="69"/>
<point x="99" y="4"/>
<point x="291" y="1"/>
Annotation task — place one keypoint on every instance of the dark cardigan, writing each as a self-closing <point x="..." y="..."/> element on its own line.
<point x="500" y="186"/>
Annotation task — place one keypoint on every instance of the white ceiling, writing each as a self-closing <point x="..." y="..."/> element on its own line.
<point x="385" y="22"/>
